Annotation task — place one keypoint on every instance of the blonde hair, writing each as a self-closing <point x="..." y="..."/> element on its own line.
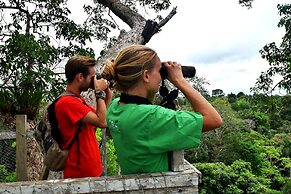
<point x="127" y="67"/>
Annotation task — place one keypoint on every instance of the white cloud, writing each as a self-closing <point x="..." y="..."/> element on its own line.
<point x="233" y="76"/>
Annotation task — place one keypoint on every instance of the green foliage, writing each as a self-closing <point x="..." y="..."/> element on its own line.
<point x="270" y="113"/>
<point x="219" y="145"/>
<point x="285" y="112"/>
<point x="240" y="94"/>
<point x="264" y="156"/>
<point x="27" y="73"/>
<point x="241" y="104"/>
<point x="231" y="98"/>
<point x="279" y="58"/>
<point x="286" y="145"/>
<point x="262" y="121"/>
<point x="267" y="156"/>
<point x="287" y="187"/>
<point x="283" y="143"/>
<point x="111" y="156"/>
<point x="6" y="176"/>
<point x="112" y="163"/>
<point x="250" y="150"/>
<point x="7" y="101"/>
<point x="235" y="178"/>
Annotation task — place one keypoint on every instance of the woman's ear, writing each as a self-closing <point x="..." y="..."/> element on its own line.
<point x="145" y="75"/>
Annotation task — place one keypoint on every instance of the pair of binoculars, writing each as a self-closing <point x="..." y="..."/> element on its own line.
<point x="187" y="71"/>
<point x="98" y="76"/>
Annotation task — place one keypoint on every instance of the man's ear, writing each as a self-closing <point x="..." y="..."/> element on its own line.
<point x="79" y="76"/>
<point x="145" y="75"/>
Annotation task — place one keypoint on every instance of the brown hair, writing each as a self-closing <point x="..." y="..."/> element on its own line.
<point x="127" y="67"/>
<point x="78" y="64"/>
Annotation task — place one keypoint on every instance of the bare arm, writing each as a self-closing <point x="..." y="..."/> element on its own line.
<point x="211" y="118"/>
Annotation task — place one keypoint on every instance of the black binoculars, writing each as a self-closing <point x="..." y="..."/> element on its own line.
<point x="188" y="71"/>
<point x="98" y="76"/>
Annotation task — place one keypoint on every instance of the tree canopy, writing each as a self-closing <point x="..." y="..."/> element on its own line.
<point x="36" y="36"/>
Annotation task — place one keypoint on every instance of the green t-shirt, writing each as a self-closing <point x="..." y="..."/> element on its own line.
<point x="144" y="134"/>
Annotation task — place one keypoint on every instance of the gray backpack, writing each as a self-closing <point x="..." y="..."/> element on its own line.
<point x="47" y="134"/>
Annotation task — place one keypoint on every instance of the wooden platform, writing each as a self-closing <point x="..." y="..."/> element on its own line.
<point x="168" y="182"/>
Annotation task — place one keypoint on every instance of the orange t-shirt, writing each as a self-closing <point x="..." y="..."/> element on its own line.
<point x="84" y="161"/>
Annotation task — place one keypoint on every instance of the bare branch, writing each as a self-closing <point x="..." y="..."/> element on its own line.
<point x="127" y="15"/>
<point x="7" y="79"/>
<point x="113" y="20"/>
<point x="8" y="7"/>
<point x="18" y="7"/>
<point x="3" y="35"/>
<point x="168" y="18"/>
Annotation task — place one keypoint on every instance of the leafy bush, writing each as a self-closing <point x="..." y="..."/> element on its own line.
<point x="235" y="178"/>
<point x="27" y="71"/>
<point x="112" y="164"/>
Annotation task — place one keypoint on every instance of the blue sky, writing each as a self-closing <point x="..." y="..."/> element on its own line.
<point x="221" y="39"/>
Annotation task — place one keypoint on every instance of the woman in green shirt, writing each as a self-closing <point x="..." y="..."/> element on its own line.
<point x="144" y="133"/>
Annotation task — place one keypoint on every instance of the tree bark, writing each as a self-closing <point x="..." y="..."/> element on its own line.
<point x="134" y="36"/>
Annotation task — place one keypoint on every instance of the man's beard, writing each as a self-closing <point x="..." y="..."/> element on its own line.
<point x="84" y="87"/>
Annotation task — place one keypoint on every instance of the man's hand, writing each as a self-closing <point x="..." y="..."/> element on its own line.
<point x="101" y="84"/>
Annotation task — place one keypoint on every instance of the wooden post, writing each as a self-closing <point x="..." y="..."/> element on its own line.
<point x="177" y="161"/>
<point x="103" y="143"/>
<point x="21" y="148"/>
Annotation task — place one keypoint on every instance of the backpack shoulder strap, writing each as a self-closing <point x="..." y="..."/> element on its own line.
<point x="76" y="136"/>
<point x="52" y="116"/>
<point x="65" y="93"/>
